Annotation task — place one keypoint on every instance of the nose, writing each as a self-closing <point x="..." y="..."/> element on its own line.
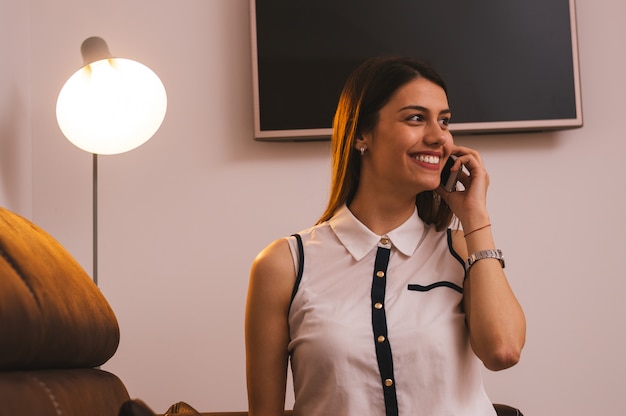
<point x="437" y="135"/>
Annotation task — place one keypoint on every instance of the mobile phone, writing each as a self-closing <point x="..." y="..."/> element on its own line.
<point x="449" y="178"/>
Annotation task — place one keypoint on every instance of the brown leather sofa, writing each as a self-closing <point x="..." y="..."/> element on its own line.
<point x="56" y="329"/>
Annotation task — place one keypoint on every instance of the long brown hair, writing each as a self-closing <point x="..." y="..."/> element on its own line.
<point x="365" y="92"/>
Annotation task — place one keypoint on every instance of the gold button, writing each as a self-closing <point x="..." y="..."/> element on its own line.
<point x="381" y="339"/>
<point x="378" y="305"/>
<point x="388" y="382"/>
<point x="380" y="273"/>
<point x="384" y="241"/>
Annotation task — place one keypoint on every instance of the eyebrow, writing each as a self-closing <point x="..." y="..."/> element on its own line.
<point x="424" y="109"/>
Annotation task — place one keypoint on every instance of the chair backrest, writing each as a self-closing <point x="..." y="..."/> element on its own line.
<point x="52" y="314"/>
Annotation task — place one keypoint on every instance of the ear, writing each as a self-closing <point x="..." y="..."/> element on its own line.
<point x="359" y="142"/>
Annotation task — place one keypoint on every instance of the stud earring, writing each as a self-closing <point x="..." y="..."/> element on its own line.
<point x="362" y="150"/>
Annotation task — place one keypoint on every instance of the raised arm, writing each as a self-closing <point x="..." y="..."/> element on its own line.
<point x="272" y="278"/>
<point x="496" y="322"/>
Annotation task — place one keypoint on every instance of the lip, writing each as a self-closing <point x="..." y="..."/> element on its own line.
<point x="422" y="159"/>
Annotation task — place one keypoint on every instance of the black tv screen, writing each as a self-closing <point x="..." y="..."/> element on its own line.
<point x="509" y="65"/>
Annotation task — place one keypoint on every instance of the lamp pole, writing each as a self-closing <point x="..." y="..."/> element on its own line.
<point x="94" y="191"/>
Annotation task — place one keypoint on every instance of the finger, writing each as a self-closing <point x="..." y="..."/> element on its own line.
<point x="464" y="178"/>
<point x="469" y="157"/>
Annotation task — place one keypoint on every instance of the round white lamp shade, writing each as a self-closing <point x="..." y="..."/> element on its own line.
<point x="111" y="106"/>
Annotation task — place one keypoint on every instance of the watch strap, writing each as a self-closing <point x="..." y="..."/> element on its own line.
<point x="484" y="254"/>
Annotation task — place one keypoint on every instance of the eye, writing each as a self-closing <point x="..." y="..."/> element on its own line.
<point x="415" y="117"/>
<point x="444" y="121"/>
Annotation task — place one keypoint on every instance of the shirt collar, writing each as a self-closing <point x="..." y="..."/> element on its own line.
<point x="360" y="240"/>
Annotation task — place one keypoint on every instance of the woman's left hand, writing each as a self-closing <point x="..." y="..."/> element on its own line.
<point x="495" y="319"/>
<point x="470" y="203"/>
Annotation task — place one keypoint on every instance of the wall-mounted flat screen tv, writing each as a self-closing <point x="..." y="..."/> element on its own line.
<point x="509" y="65"/>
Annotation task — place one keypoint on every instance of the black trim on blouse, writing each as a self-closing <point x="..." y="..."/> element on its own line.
<point x="431" y="286"/>
<point x="379" y="325"/>
<point x="454" y="253"/>
<point x="300" y="267"/>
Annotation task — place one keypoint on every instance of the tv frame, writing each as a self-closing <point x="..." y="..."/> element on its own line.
<point x="488" y="127"/>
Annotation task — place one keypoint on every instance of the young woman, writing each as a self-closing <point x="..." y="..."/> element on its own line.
<point x="385" y="306"/>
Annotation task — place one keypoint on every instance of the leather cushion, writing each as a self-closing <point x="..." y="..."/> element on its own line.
<point x="52" y="315"/>
<point x="79" y="392"/>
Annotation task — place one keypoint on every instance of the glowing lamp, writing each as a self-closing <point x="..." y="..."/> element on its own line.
<point x="110" y="105"/>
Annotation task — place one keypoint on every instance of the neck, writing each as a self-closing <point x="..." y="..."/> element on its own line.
<point x="381" y="215"/>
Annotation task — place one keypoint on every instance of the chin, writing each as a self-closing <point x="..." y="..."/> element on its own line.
<point x="428" y="188"/>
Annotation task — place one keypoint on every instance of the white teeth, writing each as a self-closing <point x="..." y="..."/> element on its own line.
<point x="428" y="159"/>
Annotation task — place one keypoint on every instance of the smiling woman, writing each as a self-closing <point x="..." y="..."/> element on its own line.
<point x="374" y="304"/>
<point x="407" y="143"/>
<point x="366" y="98"/>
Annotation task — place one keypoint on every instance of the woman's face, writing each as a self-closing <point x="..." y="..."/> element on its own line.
<point x="407" y="148"/>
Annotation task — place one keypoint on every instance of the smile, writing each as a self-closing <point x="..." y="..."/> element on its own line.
<point x="427" y="159"/>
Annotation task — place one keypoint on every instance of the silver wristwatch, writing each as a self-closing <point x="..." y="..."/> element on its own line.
<point x="484" y="254"/>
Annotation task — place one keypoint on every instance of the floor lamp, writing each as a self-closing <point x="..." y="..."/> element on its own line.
<point x="109" y="106"/>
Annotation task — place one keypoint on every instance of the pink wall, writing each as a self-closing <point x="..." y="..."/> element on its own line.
<point x="15" y="94"/>
<point x="182" y="217"/>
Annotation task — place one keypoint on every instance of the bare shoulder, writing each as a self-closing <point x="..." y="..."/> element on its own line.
<point x="275" y="259"/>
<point x="267" y="328"/>
<point x="273" y="270"/>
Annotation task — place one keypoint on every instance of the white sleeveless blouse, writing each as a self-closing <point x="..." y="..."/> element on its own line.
<point x="358" y="351"/>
